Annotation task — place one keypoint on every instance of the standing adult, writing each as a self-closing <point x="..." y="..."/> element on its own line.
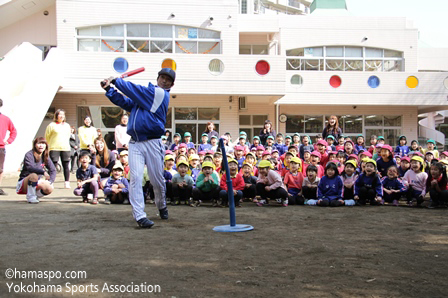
<point x="57" y="135"/>
<point x="74" y="149"/>
<point x="210" y="130"/>
<point x="121" y="137"/>
<point x="148" y="107"/>
<point x="168" y="138"/>
<point x="87" y="135"/>
<point x="266" y="131"/>
<point x="5" y="125"/>
<point x="332" y="128"/>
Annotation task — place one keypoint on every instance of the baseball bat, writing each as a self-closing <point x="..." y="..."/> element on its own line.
<point x="132" y="72"/>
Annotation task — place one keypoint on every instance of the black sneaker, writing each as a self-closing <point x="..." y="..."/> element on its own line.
<point x="2" y="193"/>
<point x="163" y="213"/>
<point x="145" y="223"/>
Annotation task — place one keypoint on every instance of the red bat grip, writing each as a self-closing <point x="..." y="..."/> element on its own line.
<point x="132" y="72"/>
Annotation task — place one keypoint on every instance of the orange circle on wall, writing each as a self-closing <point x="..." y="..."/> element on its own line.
<point x="335" y="81"/>
<point x="169" y="63"/>
<point x="412" y="82"/>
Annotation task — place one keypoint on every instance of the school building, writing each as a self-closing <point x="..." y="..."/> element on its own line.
<point x="238" y="63"/>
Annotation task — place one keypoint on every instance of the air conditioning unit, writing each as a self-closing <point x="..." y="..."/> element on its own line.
<point x="242" y="103"/>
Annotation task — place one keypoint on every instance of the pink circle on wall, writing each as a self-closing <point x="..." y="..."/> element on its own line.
<point x="335" y="81"/>
<point x="262" y="67"/>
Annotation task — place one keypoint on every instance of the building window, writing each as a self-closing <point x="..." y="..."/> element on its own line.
<point x="149" y="38"/>
<point x="252" y="124"/>
<point x="380" y="125"/>
<point x="254" y="50"/>
<point x="344" y="58"/>
<point x="243" y="6"/>
<point x="194" y="120"/>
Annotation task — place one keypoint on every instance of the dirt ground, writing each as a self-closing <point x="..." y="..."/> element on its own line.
<point x="292" y="252"/>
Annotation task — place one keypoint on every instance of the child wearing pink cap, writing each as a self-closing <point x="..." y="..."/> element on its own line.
<point x="386" y="160"/>
<point x="405" y="164"/>
<point x="322" y="149"/>
<point x="349" y="148"/>
<point x="315" y="159"/>
<point x="444" y="155"/>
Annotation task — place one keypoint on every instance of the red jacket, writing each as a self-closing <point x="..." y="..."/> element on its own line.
<point x="237" y="182"/>
<point x="5" y="125"/>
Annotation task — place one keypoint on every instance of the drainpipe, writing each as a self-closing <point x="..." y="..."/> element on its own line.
<point x="276" y="117"/>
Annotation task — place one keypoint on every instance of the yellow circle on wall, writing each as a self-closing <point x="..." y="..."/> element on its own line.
<point x="412" y="82"/>
<point x="169" y="63"/>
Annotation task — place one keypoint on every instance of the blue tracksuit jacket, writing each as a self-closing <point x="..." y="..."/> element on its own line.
<point x="330" y="188"/>
<point x="369" y="182"/>
<point x="148" y="107"/>
<point x="382" y="166"/>
<point x="402" y="150"/>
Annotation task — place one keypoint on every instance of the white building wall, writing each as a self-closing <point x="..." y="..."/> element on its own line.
<point x="37" y="29"/>
<point x="389" y="33"/>
<point x="433" y="59"/>
<point x="354" y="89"/>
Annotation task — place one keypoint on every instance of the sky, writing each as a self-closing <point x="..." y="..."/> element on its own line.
<point x="429" y="16"/>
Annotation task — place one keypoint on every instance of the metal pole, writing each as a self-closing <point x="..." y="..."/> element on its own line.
<point x="229" y="184"/>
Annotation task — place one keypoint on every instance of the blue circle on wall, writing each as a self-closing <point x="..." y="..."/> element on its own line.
<point x="373" y="81"/>
<point x="121" y="65"/>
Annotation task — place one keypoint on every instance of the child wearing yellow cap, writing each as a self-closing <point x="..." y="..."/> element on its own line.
<point x="416" y="178"/>
<point x="368" y="186"/>
<point x="250" y="181"/>
<point x="349" y="177"/>
<point x="293" y="181"/>
<point x="182" y="184"/>
<point x="195" y="166"/>
<point x="270" y="185"/>
<point x="237" y="184"/>
<point x="207" y="185"/>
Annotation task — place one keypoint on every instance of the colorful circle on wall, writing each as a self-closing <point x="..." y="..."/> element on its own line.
<point x="297" y="80"/>
<point x="262" y="67"/>
<point x="216" y="67"/>
<point x="169" y="63"/>
<point x="373" y="82"/>
<point x="335" y="81"/>
<point x="412" y="82"/>
<point x="445" y="82"/>
<point x="121" y="65"/>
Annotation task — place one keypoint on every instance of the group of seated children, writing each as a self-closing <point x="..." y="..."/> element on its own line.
<point x="294" y="172"/>
<point x="299" y="173"/>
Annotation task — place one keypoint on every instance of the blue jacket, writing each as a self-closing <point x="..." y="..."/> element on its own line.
<point x="148" y="107"/>
<point x="282" y="148"/>
<point x="204" y="147"/>
<point x="402" y="150"/>
<point x="369" y="182"/>
<point x="359" y="147"/>
<point x="330" y="188"/>
<point x="393" y="184"/>
<point x="111" y="181"/>
<point x="382" y="166"/>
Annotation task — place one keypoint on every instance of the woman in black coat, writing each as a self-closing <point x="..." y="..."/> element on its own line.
<point x="266" y="131"/>
<point x="74" y="149"/>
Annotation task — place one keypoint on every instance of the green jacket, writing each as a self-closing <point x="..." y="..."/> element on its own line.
<point x="209" y="185"/>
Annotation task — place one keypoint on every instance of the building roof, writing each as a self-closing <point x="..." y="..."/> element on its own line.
<point x="16" y="10"/>
<point x="328" y="4"/>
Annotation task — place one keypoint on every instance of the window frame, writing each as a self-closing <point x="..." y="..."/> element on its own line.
<point x="343" y="59"/>
<point x="173" y="39"/>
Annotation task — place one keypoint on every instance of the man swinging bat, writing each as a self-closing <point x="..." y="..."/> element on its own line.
<point x="148" y="108"/>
